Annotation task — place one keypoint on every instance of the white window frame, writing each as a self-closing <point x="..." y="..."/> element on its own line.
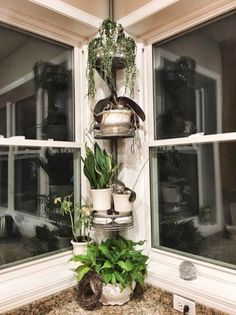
<point x="215" y="286"/>
<point x="30" y="281"/>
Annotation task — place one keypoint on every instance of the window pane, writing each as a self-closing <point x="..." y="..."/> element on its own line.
<point x="36" y="97"/>
<point x="3" y="121"/>
<point x="30" y="222"/>
<point x="193" y="195"/>
<point x="194" y="87"/>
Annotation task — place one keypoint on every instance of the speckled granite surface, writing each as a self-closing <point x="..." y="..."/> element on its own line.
<point x="154" y="302"/>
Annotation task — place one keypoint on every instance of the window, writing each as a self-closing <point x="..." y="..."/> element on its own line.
<point x="192" y="160"/>
<point x="36" y="104"/>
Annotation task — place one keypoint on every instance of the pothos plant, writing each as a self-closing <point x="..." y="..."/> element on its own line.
<point x="116" y="261"/>
<point x="110" y="42"/>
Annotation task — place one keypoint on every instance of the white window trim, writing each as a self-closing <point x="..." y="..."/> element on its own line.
<point x="34" y="280"/>
<point x="215" y="285"/>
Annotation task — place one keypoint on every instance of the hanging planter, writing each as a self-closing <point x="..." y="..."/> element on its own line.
<point x="111" y="49"/>
<point x="117" y="115"/>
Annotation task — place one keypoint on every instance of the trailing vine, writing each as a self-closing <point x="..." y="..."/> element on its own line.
<point x="110" y="42"/>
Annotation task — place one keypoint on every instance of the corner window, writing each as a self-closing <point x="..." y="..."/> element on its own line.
<point x="193" y="187"/>
<point x="36" y="104"/>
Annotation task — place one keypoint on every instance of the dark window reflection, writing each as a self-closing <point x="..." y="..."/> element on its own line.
<point x="193" y="193"/>
<point x="194" y="75"/>
<point x="30" y="222"/>
<point x="26" y="185"/>
<point x="36" y="88"/>
<point x="26" y="117"/>
<point x="3" y="180"/>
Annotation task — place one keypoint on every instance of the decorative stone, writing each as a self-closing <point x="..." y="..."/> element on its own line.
<point x="187" y="271"/>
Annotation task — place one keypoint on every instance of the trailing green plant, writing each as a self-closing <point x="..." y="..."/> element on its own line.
<point x="80" y="217"/>
<point x="110" y="42"/>
<point x="99" y="167"/>
<point x="117" y="261"/>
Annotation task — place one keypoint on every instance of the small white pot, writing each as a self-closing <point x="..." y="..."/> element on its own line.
<point x="113" y="295"/>
<point x="101" y="199"/>
<point x="122" y="203"/>
<point x="79" y="248"/>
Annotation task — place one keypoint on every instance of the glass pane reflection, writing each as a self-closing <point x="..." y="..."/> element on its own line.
<point x="30" y="222"/>
<point x="194" y="75"/>
<point x="36" y="95"/>
<point x="193" y="194"/>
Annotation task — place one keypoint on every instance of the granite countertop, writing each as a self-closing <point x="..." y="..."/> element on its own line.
<point x="153" y="302"/>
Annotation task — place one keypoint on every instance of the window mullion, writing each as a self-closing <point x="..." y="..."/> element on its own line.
<point x="194" y="139"/>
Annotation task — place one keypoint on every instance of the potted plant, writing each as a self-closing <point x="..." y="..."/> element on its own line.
<point x="117" y="115"/>
<point x="80" y="219"/>
<point x="112" y="49"/>
<point x="99" y="168"/>
<point x="123" y="197"/>
<point x="111" y="46"/>
<point x="118" y="263"/>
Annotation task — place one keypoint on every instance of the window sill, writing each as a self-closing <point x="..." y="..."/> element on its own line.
<point x="214" y="286"/>
<point x="39" y="278"/>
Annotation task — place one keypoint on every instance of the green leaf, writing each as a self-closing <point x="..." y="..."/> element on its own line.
<point x="107" y="265"/>
<point x="113" y="278"/>
<point x="81" y="271"/>
<point x="106" y="251"/>
<point x="107" y="275"/>
<point x="138" y="277"/>
<point x="127" y="266"/>
<point x="120" y="279"/>
<point x="84" y="259"/>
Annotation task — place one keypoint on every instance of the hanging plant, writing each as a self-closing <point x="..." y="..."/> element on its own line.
<point x="110" y="46"/>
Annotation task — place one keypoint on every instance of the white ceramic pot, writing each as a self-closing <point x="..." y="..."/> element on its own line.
<point x="116" y="116"/>
<point x="113" y="295"/>
<point x="170" y="194"/>
<point x="79" y="248"/>
<point x="122" y="203"/>
<point x="101" y="199"/>
<point x="115" y="121"/>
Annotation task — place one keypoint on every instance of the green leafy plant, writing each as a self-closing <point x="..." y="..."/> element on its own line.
<point x="80" y="217"/>
<point x="99" y="167"/>
<point x="110" y="42"/>
<point x="117" y="261"/>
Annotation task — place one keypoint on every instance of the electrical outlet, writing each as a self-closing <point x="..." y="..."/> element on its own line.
<point x="180" y="302"/>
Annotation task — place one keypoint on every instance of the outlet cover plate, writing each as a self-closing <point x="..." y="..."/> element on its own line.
<point x="180" y="302"/>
